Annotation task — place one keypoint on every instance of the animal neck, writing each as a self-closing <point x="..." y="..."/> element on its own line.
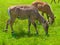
<point x="40" y="18"/>
<point x="51" y="15"/>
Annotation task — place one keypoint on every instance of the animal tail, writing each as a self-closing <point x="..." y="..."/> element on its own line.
<point x="8" y="11"/>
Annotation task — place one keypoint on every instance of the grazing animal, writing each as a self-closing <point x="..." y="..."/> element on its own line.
<point x="45" y="8"/>
<point x="26" y="12"/>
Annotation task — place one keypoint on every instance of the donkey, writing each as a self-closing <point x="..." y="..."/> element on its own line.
<point x="26" y="12"/>
<point x="45" y="8"/>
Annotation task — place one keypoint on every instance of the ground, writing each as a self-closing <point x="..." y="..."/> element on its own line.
<point x="21" y="27"/>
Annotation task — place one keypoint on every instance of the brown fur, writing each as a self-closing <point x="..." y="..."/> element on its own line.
<point x="45" y="8"/>
<point x="26" y="12"/>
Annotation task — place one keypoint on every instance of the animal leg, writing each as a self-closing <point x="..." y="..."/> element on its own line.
<point x="45" y="25"/>
<point x="29" y="24"/>
<point x="7" y="25"/>
<point x="46" y="30"/>
<point x="11" y="24"/>
<point x="34" y="24"/>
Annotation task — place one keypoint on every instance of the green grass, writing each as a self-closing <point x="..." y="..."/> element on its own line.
<point x="21" y="27"/>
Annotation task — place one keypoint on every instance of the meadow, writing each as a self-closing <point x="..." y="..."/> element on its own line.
<point x="21" y="26"/>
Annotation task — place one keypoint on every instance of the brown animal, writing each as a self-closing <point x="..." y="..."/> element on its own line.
<point x="55" y="1"/>
<point x="26" y="12"/>
<point x="45" y="8"/>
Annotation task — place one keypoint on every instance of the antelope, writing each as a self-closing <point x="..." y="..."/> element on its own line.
<point x="45" y="8"/>
<point x="26" y="12"/>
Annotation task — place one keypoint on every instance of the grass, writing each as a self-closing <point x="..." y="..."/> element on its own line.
<point x="21" y="27"/>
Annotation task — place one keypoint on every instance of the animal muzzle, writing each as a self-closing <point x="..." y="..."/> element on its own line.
<point x="51" y="21"/>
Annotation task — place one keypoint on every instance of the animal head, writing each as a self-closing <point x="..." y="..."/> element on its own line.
<point x="34" y="4"/>
<point x="52" y="20"/>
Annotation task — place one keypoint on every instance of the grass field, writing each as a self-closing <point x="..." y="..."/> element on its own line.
<point x="21" y="27"/>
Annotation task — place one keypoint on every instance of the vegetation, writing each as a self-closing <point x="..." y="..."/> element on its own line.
<point x="20" y="37"/>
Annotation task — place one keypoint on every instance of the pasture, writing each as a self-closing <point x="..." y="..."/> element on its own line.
<point x="21" y="27"/>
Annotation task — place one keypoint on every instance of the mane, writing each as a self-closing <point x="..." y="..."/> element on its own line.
<point x="41" y="3"/>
